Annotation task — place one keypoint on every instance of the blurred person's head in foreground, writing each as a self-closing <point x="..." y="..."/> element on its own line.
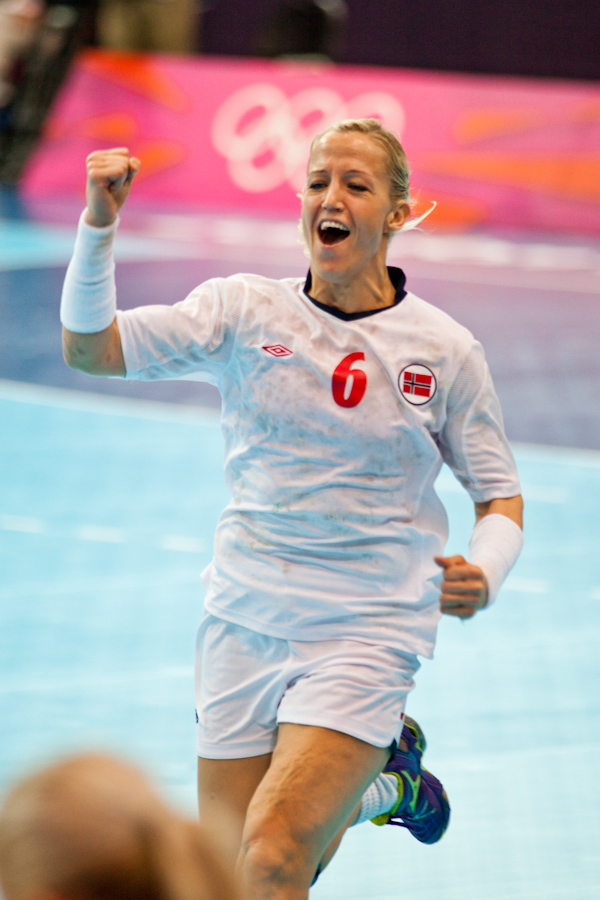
<point x="92" y="828"/>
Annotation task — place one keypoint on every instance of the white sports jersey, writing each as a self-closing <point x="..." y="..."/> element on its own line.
<point x="335" y="429"/>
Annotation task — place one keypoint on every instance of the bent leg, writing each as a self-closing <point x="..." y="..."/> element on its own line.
<point x="308" y="794"/>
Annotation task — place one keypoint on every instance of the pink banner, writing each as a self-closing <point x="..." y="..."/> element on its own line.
<point x="235" y="134"/>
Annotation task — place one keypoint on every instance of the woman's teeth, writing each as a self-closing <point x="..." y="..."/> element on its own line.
<point x="332" y="232"/>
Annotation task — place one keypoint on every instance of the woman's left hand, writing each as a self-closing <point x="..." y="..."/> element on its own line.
<point x="464" y="587"/>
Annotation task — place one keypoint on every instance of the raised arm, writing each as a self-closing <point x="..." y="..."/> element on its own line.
<point x="91" y="340"/>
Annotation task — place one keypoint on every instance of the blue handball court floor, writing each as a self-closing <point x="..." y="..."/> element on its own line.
<point x="109" y="495"/>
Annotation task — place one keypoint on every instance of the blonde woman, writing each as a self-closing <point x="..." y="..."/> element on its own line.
<point x="342" y="394"/>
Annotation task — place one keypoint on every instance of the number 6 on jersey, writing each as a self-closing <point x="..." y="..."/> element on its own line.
<point x="348" y="385"/>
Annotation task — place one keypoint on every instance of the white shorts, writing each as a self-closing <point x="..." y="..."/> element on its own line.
<point x="247" y="683"/>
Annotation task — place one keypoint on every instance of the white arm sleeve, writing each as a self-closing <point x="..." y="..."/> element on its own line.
<point x="89" y="297"/>
<point x="495" y="545"/>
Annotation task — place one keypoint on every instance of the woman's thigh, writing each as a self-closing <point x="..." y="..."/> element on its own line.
<point x="225" y="789"/>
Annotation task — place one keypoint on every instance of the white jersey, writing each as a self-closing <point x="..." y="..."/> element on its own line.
<point x="335" y="429"/>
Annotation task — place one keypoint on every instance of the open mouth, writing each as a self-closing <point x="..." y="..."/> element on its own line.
<point x="332" y="232"/>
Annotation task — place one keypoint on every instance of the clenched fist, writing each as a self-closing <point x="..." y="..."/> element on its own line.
<point x="109" y="177"/>
<point x="464" y="587"/>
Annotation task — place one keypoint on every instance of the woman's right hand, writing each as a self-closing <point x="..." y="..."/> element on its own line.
<point x="109" y="177"/>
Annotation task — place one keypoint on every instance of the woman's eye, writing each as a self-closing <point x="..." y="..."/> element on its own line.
<point x="357" y="187"/>
<point x="316" y="185"/>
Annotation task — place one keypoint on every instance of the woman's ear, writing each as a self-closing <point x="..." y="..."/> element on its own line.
<point x="397" y="217"/>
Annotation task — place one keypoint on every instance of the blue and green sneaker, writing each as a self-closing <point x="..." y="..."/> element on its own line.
<point x="422" y="806"/>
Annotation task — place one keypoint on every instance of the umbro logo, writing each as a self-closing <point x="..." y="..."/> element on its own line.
<point x="278" y="350"/>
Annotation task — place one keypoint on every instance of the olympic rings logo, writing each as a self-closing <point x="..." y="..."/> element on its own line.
<point x="265" y="136"/>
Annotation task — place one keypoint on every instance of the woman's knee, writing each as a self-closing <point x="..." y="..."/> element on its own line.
<point x="276" y="849"/>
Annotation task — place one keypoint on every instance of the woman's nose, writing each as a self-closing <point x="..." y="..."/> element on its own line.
<point x="332" y="198"/>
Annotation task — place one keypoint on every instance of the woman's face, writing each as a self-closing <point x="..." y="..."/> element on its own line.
<point x="347" y="213"/>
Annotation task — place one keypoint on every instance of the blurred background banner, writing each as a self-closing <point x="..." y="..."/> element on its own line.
<point x="234" y="134"/>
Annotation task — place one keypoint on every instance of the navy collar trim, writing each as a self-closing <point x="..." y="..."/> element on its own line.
<point x="398" y="279"/>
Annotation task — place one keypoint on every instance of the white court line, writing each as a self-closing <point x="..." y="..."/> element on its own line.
<point x="101" y="585"/>
<point x="100" y="533"/>
<point x="554" y="893"/>
<point x="27" y="524"/>
<point x="526" y="585"/>
<point x="107" y="404"/>
<point x="545" y="493"/>
<point x="500" y="758"/>
<point x="119" y="679"/>
<point x="563" y="548"/>
<point x="578" y="283"/>
<point x="182" y="544"/>
<point x="568" y="456"/>
<point x="27" y="245"/>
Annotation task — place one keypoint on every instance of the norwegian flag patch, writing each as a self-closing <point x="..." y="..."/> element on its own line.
<point x="278" y="350"/>
<point x="417" y="384"/>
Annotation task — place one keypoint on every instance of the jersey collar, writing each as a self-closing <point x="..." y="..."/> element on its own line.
<point x="398" y="279"/>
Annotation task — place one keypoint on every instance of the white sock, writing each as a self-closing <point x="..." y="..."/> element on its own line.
<point x="380" y="797"/>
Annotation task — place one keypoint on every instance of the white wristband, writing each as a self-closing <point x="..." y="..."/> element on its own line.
<point x="495" y="545"/>
<point x="89" y="297"/>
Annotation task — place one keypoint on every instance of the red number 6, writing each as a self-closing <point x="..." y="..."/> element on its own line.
<point x="339" y="381"/>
